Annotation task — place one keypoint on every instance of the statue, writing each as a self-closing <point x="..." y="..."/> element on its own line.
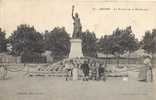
<point x="77" y="25"/>
<point x="76" y="42"/>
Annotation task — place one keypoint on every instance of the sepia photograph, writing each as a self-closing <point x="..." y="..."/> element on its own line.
<point x="77" y="50"/>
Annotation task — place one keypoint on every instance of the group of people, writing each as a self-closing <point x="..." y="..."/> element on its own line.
<point x="96" y="71"/>
<point x="84" y="71"/>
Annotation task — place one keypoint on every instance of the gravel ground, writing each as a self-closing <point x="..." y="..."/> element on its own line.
<point x="18" y="87"/>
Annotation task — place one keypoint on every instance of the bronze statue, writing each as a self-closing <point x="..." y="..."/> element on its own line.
<point x="77" y="25"/>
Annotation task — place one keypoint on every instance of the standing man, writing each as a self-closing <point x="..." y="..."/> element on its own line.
<point x="101" y="73"/>
<point x="68" y="69"/>
<point x="93" y="71"/>
<point x="85" y="69"/>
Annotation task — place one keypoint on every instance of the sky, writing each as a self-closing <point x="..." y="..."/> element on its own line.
<point x="101" y="17"/>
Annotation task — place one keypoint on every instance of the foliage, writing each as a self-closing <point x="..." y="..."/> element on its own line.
<point x="3" y="41"/>
<point x="26" y="39"/>
<point x="119" y="42"/>
<point x="57" y="41"/>
<point x="149" y="41"/>
<point x="89" y="47"/>
<point x="105" y="44"/>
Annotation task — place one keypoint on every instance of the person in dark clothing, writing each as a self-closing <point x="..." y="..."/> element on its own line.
<point x="68" y="69"/>
<point x="85" y="69"/>
<point x="101" y="72"/>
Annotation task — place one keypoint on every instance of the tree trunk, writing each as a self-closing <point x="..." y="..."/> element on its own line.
<point x="152" y="63"/>
<point x="128" y="58"/>
<point x="118" y="58"/>
<point x="106" y="60"/>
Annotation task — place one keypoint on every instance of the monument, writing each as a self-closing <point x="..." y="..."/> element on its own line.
<point x="76" y="47"/>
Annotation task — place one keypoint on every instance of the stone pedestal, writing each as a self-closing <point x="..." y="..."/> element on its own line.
<point x="76" y="48"/>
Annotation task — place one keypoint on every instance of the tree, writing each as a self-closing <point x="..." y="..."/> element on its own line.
<point x="154" y="40"/>
<point x="89" y="47"/>
<point x="149" y="41"/>
<point x="128" y="41"/>
<point x="121" y="41"/>
<point x="3" y="41"/>
<point x="124" y="41"/>
<point x="57" y="41"/>
<point x="26" y="41"/>
<point x="104" y="46"/>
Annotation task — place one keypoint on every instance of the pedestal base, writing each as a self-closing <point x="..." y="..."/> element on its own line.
<point x="76" y="48"/>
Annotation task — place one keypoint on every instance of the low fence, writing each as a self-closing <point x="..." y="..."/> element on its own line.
<point x="9" y="59"/>
<point x="126" y="61"/>
<point x="33" y="59"/>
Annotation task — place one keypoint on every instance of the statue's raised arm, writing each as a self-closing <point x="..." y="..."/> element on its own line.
<point x="73" y="11"/>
